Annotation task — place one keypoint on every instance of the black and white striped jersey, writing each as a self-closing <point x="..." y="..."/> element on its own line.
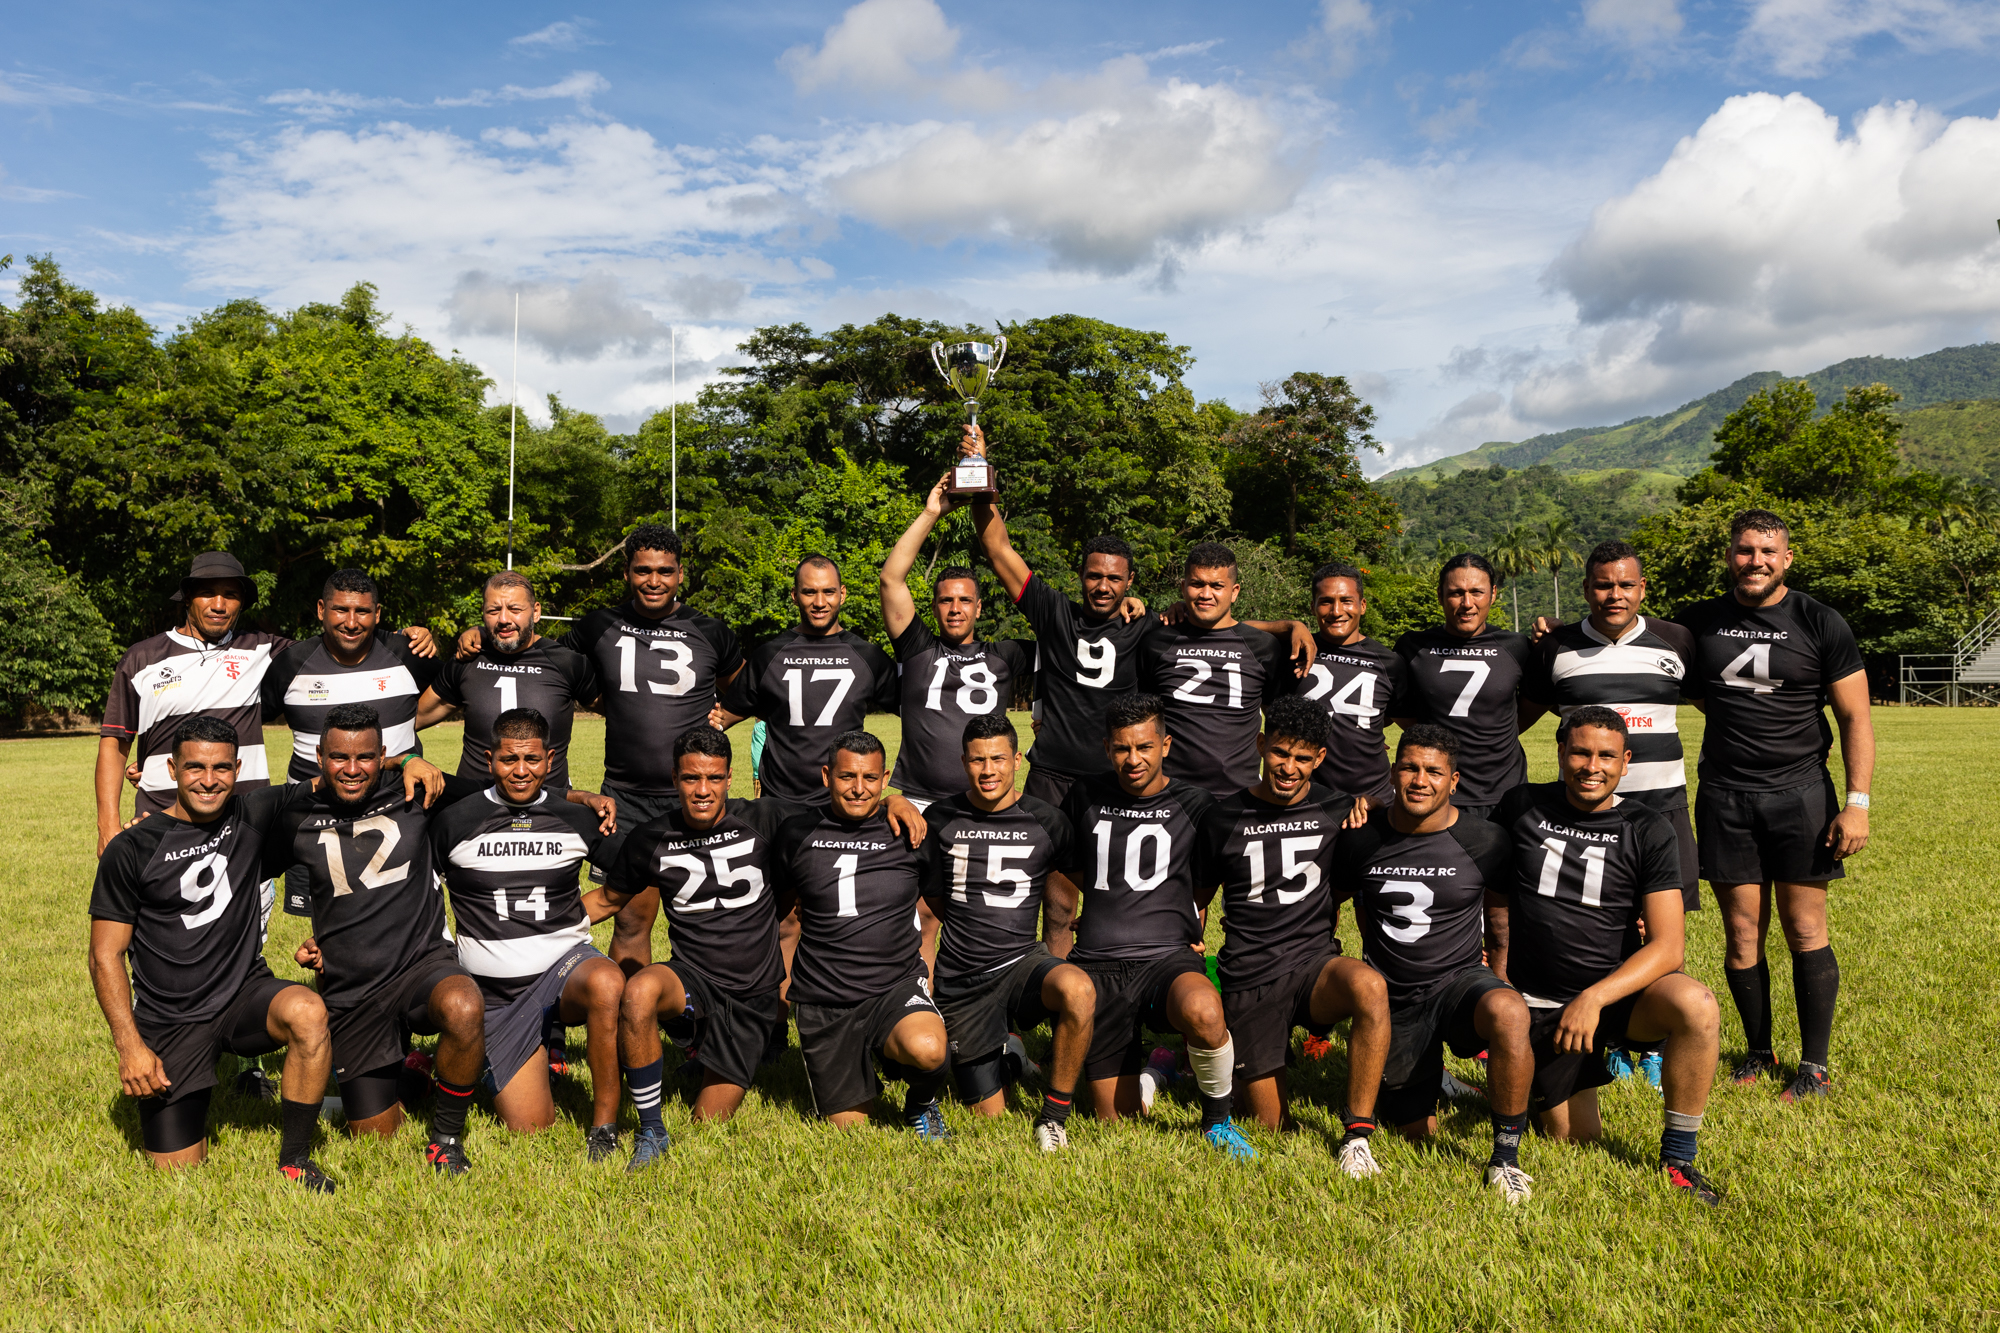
<point x="1355" y="682"/>
<point x="512" y="874"/>
<point x="1638" y="676"/>
<point x="307" y="682"/>
<point x="170" y="677"/>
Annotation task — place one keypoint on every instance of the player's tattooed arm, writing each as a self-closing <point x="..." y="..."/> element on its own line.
<point x="1059" y="903"/>
<point x="140" y="1072"/>
<point x="604" y="807"/>
<point x="1496" y="934"/>
<point x="905" y="820"/>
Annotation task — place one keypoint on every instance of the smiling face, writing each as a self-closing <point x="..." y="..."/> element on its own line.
<point x="1613" y="591"/>
<point x="1106" y="580"/>
<point x="348" y="619"/>
<point x="1424" y="780"/>
<point x="520" y="765"/>
<point x="1593" y="761"/>
<point x="856" y="781"/>
<point x="213" y="606"/>
<point x="1338" y="606"/>
<point x="1758" y="562"/>
<point x="703" y="782"/>
<point x="1467" y="597"/>
<point x="510" y="615"/>
<point x="204" y="774"/>
<point x="1288" y="767"/>
<point x="957" y="607"/>
<point x="351" y="763"/>
<point x="654" y="580"/>
<point x="1209" y="594"/>
<point x="819" y="594"/>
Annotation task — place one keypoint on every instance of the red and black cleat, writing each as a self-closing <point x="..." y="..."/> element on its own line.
<point x="308" y="1174"/>
<point x="1683" y="1176"/>
<point x="1754" y="1066"/>
<point x="446" y="1154"/>
<point x="1810" y="1081"/>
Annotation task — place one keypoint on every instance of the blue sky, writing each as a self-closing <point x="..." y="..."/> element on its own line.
<point x="1497" y="219"/>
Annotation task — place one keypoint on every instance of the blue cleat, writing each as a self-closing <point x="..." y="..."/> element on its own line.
<point x="927" y="1122"/>
<point x="1619" y="1062"/>
<point x="1650" y="1065"/>
<point x="648" y="1147"/>
<point x="1229" y="1139"/>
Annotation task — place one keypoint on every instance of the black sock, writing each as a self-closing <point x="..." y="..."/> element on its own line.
<point x="1750" y="987"/>
<point x="448" y="1112"/>
<point x="1359" y="1126"/>
<point x="1215" y="1110"/>
<point x="301" y="1121"/>
<point x="1815" y="984"/>
<point x="1507" y="1132"/>
<point x="1056" y="1106"/>
<point x="923" y="1090"/>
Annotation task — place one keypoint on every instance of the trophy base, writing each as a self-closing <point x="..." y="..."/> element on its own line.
<point x="973" y="479"/>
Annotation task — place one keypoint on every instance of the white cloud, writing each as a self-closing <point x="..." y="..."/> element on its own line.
<point x="565" y="36"/>
<point x="1770" y="240"/>
<point x="877" y="45"/>
<point x="1346" y="28"/>
<point x="1805" y="38"/>
<point x="1184" y="49"/>
<point x="579" y="87"/>
<point x="27" y="90"/>
<point x="569" y="320"/>
<point x="1634" y="22"/>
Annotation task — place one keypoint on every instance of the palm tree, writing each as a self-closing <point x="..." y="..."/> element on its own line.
<point x="1558" y="547"/>
<point x="1514" y="555"/>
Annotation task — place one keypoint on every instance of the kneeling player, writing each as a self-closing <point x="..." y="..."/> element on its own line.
<point x="1135" y="864"/>
<point x="1588" y="869"/>
<point x="1272" y="849"/>
<point x="986" y="870"/>
<point x="710" y="860"/>
<point x="177" y="892"/>
<point x="859" y="990"/>
<point x="510" y="858"/>
<point x="1424" y="876"/>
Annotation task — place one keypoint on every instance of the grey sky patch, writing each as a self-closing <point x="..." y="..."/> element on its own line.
<point x="578" y="321"/>
<point x="702" y="296"/>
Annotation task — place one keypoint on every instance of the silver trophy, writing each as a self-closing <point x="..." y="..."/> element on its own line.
<point x="968" y="368"/>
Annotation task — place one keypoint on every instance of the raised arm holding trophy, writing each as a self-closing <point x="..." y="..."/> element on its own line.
<point x="968" y="368"/>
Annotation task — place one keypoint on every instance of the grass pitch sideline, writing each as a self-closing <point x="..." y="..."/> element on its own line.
<point x="1875" y="1209"/>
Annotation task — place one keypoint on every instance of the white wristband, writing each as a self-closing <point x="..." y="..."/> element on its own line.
<point x="1858" y="798"/>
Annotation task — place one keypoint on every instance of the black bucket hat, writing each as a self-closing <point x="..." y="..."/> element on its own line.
<point x="217" y="565"/>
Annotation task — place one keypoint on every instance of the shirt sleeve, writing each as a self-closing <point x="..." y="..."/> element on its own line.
<point x="886" y="694"/>
<point x="1043" y="606"/>
<point x="1839" y="654"/>
<point x="1538" y="678"/>
<point x="1408" y="702"/>
<point x="1075" y="810"/>
<point x="1351" y="850"/>
<point x="728" y="651"/>
<point x="741" y="696"/>
<point x="581" y="672"/>
<point x="1492" y="851"/>
<point x="446" y="683"/>
<point x="1273" y="653"/>
<point x="1660" y="856"/>
<point x="115" y="895"/>
<point x="423" y="670"/>
<point x="284" y="670"/>
<point x="121" y="705"/>
<point x="634" y="872"/>
<point x="916" y="637"/>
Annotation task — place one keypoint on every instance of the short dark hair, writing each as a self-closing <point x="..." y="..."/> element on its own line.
<point x="815" y="561"/>
<point x="1209" y="555"/>
<point x="1430" y="736"/>
<point x="988" y="725"/>
<point x="521" y="724"/>
<point x="1134" y="709"/>
<point x="510" y="578"/>
<point x="1325" y="572"/>
<point x="1757" y="520"/>
<point x="1591" y="715"/>
<point x="201" y="729"/>
<point x="703" y="739"/>
<point x="1296" y="718"/>
<point x="1108" y="545"/>
<point x="954" y="572"/>
<point x="353" y="717"/>
<point x="857" y="742"/>
<point x="1610" y="553"/>
<point x="350" y="580"/>
<point x="1467" y="560"/>
<point x="652" y="537"/>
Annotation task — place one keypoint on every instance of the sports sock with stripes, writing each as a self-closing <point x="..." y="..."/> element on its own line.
<point x="1056" y="1106"/>
<point x="448" y="1114"/>
<point x="1358" y="1126"/>
<point x="1507" y="1132"/>
<point x="1750" y="987"/>
<point x="1677" y="1139"/>
<point x="645" y="1082"/>
<point x="1815" y="985"/>
<point x="301" y="1121"/>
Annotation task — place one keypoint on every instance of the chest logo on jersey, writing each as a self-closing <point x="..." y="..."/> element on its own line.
<point x="848" y="845"/>
<point x="235" y="664"/>
<point x="529" y="848"/>
<point x="1414" y="872"/>
<point x="1582" y="835"/>
<point x="1463" y="652"/>
<point x="167" y="683"/>
<point x="521" y="825"/>
<point x="507" y="667"/>
<point x="1636" y="721"/>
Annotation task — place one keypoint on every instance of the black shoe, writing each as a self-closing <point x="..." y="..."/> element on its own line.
<point x="446" y="1154"/>
<point x="1683" y="1176"/>
<point x="308" y="1174"/>
<point x="601" y="1142"/>
<point x="1754" y="1066"/>
<point x="1810" y="1081"/>
<point x="257" y="1084"/>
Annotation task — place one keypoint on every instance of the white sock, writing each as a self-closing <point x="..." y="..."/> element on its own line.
<point x="1214" y="1071"/>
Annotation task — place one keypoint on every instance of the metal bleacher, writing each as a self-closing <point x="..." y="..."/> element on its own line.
<point x="1967" y="676"/>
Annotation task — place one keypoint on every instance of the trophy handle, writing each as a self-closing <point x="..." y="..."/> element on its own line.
<point x="937" y="359"/>
<point x="999" y="354"/>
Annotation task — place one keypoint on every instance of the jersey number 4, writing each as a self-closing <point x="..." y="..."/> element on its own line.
<point x="1751" y="670"/>
<point x="373" y="876"/>
<point x="1355" y="700"/>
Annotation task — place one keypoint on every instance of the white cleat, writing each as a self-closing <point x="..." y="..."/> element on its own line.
<point x="1159" y="1073"/>
<point x="1357" y="1160"/>
<point x="1050" y="1137"/>
<point x="1512" y="1182"/>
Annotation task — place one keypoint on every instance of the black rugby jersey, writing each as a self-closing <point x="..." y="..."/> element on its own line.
<point x="512" y="873"/>
<point x="1274" y="863"/>
<point x="942" y="687"/>
<point x="856" y="884"/>
<point x="1638" y="676"/>
<point x="1355" y="682"/>
<point x="1420" y="898"/>
<point x="717" y="889"/>
<point x="1132" y="859"/>
<point x="1215" y="683"/>
<point x="1082" y="667"/>
<point x="307" y="682"/>
<point x="985" y="874"/>
<point x="808" y="691"/>
<point x="1763" y="674"/>
<point x="1579" y="887"/>
<point x="1471" y="686"/>
<point x="545" y="676"/>
<point x="658" y="677"/>
<point x="371" y="891"/>
<point x="190" y="893"/>
<point x="162" y="681"/>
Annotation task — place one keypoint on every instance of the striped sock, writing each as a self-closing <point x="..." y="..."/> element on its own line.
<point x="448" y="1113"/>
<point x="1359" y="1126"/>
<point x="645" y="1082"/>
<point x="1677" y="1140"/>
<point x="1056" y="1106"/>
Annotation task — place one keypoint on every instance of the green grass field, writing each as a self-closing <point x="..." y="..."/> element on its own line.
<point x="1873" y="1209"/>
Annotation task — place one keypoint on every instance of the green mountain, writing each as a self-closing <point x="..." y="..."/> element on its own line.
<point x="1947" y="383"/>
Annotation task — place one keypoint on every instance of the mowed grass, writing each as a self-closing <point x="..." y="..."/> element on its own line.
<point x="1872" y="1209"/>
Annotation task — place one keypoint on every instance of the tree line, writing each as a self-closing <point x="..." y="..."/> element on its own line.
<point x="319" y="438"/>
